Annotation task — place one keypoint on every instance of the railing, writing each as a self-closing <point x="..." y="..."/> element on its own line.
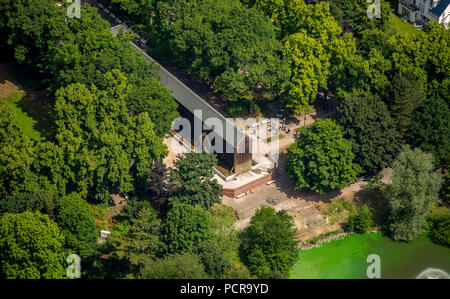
<point x="137" y="38"/>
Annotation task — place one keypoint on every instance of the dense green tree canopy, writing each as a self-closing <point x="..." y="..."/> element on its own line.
<point x="216" y="264"/>
<point x="31" y="246"/>
<point x="88" y="50"/>
<point x="148" y="95"/>
<point x="440" y="231"/>
<point x="361" y="221"/>
<point x="322" y="159"/>
<point x="430" y="129"/>
<point x="437" y="47"/>
<point x="366" y="122"/>
<point x="143" y="8"/>
<point x="16" y="154"/>
<point x="310" y="65"/>
<point x="269" y="243"/>
<point x="21" y="202"/>
<point x="30" y="27"/>
<point x="193" y="176"/>
<point x="21" y="161"/>
<point x="221" y="41"/>
<point x="186" y="226"/>
<point x="77" y="224"/>
<point x="311" y="36"/>
<point x="360" y="15"/>
<point x="105" y="149"/>
<point x="415" y="186"/>
<point x="290" y="16"/>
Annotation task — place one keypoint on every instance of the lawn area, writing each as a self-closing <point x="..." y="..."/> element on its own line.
<point x="26" y="122"/>
<point x="403" y="27"/>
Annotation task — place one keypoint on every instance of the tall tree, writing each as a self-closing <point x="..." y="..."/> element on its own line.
<point x="415" y="186"/>
<point x="16" y="154"/>
<point x="143" y="8"/>
<point x="30" y="27"/>
<point x="148" y="95"/>
<point x="141" y="243"/>
<point x="322" y="159"/>
<point x="158" y="188"/>
<point x="311" y="36"/>
<point x="216" y="264"/>
<point x="185" y="227"/>
<point x="366" y="122"/>
<point x="31" y="247"/>
<point x="380" y="16"/>
<point x="269" y="244"/>
<point x="437" y="44"/>
<point x="105" y="149"/>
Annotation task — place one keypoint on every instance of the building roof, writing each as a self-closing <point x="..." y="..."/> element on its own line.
<point x="441" y="7"/>
<point x="191" y="101"/>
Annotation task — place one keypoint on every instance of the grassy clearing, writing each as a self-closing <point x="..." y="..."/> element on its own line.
<point x="26" y="122"/>
<point x="403" y="27"/>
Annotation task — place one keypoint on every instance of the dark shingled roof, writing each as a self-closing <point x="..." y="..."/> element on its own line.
<point x="441" y="7"/>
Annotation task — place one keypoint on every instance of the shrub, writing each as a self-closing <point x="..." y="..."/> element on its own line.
<point x="361" y="221"/>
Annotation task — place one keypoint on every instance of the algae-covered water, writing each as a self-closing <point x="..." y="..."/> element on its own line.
<point x="346" y="258"/>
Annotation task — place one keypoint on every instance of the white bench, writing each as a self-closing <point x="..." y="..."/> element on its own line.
<point x="254" y="125"/>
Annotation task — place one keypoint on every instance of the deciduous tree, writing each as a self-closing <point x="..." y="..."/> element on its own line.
<point x="105" y="149"/>
<point x="430" y="129"/>
<point x="322" y="159"/>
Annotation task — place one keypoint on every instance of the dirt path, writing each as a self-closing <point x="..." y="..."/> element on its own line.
<point x="301" y="205"/>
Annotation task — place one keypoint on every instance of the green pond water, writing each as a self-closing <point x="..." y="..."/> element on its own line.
<point x="346" y="258"/>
